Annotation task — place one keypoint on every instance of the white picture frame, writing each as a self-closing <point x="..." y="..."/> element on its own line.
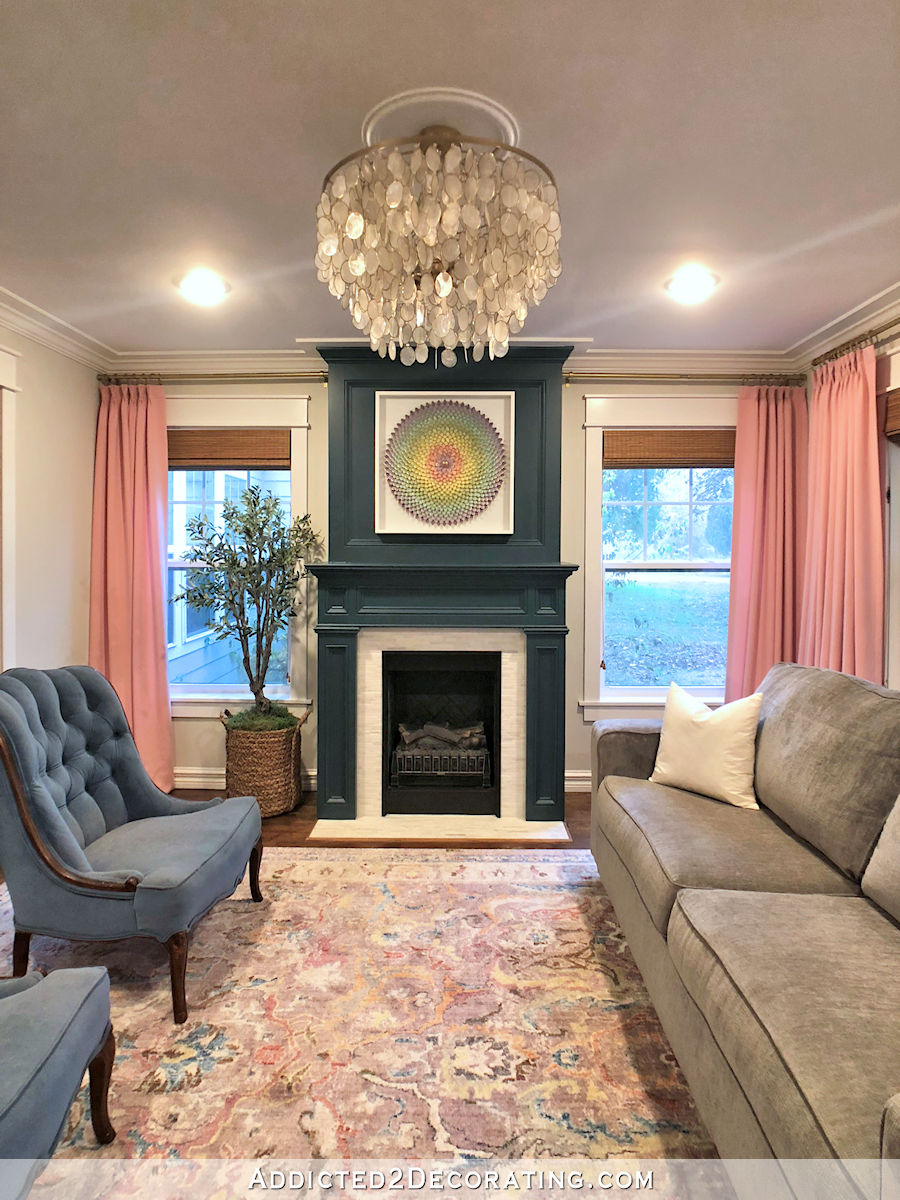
<point x="391" y="407"/>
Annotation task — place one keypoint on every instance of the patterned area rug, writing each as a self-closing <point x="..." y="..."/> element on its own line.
<point x="392" y="1004"/>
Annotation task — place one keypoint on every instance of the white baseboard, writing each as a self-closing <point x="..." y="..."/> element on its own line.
<point x="213" y="779"/>
<point x="207" y="778"/>
<point x="578" y="781"/>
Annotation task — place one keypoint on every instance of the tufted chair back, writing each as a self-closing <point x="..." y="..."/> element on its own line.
<point x="70" y="740"/>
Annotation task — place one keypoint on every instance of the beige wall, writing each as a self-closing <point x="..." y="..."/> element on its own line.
<point x="53" y="459"/>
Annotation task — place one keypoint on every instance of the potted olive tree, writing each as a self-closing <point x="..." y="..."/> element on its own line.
<point x="246" y="578"/>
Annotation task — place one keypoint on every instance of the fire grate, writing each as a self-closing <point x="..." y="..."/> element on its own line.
<point x="410" y="767"/>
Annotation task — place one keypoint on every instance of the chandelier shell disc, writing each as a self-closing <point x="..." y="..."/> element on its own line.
<point x="445" y="463"/>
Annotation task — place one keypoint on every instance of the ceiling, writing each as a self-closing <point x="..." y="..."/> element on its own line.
<point x="138" y="140"/>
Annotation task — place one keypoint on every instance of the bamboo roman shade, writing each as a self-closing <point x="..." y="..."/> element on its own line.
<point x="892" y="415"/>
<point x="668" y="448"/>
<point x="217" y="448"/>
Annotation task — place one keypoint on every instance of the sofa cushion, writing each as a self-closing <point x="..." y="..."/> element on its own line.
<point x="188" y="862"/>
<point x="881" y="881"/>
<point x="828" y="759"/>
<point x="670" y="839"/>
<point x="800" y="994"/>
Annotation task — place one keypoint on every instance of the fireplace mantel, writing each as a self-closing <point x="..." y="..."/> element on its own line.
<point x="408" y="583"/>
<point x="353" y="596"/>
<point x="356" y="596"/>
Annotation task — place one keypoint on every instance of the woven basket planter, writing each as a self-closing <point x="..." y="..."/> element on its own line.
<point x="264" y="764"/>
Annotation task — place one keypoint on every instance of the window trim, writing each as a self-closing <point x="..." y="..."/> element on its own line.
<point x="186" y="411"/>
<point x="627" y="406"/>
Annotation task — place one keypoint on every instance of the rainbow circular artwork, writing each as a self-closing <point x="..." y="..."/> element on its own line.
<point x="445" y="462"/>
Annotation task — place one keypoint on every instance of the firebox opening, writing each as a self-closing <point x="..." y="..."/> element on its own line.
<point x="441" y="733"/>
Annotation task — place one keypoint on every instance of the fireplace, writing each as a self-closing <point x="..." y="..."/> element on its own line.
<point x="441" y="733"/>
<point x="457" y="636"/>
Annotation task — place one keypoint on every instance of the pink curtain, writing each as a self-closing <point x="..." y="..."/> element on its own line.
<point x="769" y="534"/>
<point x="842" y="625"/>
<point x="128" y="566"/>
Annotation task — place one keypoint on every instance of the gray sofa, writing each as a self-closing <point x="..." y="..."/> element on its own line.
<point x="769" y="940"/>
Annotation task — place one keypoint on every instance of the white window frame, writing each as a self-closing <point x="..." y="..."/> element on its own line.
<point x="248" y="412"/>
<point x="704" y="406"/>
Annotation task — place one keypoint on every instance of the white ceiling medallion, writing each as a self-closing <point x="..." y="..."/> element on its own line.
<point x="435" y="239"/>
<point x="479" y="115"/>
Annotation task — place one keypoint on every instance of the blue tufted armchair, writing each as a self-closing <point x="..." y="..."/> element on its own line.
<point x="91" y="848"/>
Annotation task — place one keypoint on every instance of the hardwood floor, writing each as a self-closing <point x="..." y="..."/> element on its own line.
<point x="293" y="829"/>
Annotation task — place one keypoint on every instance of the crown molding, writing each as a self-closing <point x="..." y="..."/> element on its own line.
<point x="678" y="362"/>
<point x="38" y="325"/>
<point x="217" y="361"/>
<point x="877" y="310"/>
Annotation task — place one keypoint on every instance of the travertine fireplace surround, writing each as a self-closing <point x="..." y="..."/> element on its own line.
<point x="510" y="643"/>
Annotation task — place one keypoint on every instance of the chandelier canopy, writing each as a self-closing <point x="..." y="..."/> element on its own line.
<point x="439" y="241"/>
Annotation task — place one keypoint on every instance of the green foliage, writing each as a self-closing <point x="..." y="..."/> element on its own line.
<point x="247" y="575"/>
<point x="665" y="625"/>
<point x="657" y="504"/>
<point x="278" y="717"/>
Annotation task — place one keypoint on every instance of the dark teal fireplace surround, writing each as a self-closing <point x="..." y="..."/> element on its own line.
<point x="508" y="581"/>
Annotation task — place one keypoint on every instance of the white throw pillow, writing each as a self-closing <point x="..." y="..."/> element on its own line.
<point x="710" y="751"/>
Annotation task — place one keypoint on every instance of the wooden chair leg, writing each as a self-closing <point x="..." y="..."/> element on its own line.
<point x="100" y="1070"/>
<point x="255" y="859"/>
<point x="178" y="947"/>
<point x="21" y="944"/>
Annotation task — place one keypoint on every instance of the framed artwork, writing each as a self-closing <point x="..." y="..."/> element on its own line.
<point x="444" y="462"/>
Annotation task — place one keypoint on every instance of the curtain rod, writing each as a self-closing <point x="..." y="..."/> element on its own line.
<point x="759" y="380"/>
<point x="864" y="339"/>
<point x="214" y="377"/>
<point x="769" y="380"/>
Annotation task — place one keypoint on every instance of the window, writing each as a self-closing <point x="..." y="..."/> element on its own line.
<point x="666" y="521"/>
<point x="659" y="481"/>
<point x="207" y="467"/>
<point x="666" y="554"/>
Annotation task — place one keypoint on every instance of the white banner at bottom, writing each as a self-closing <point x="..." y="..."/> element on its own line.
<point x="556" y="1179"/>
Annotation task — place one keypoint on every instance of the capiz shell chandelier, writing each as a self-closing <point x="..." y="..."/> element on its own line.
<point x="439" y="242"/>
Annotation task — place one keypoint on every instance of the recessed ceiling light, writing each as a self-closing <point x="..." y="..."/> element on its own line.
<point x="202" y="286"/>
<point x="691" y="284"/>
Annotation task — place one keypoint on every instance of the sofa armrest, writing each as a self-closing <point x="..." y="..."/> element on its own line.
<point x="622" y="747"/>
<point x="21" y="983"/>
<point x="890" y="1129"/>
<point x="890" y="1150"/>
